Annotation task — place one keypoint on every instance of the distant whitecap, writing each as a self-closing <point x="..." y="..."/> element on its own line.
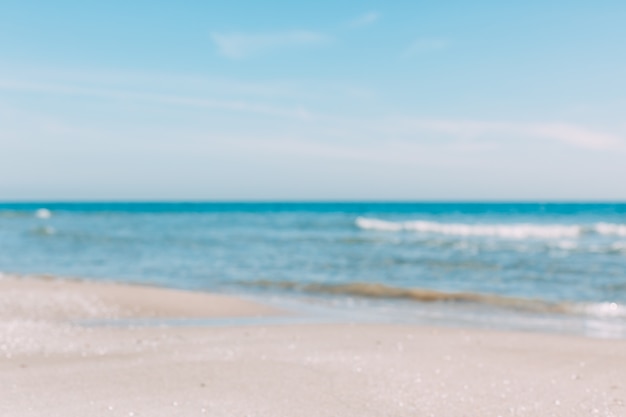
<point x="43" y="213"/>
<point x="511" y="231"/>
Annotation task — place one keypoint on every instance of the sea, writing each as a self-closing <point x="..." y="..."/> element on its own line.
<point x="551" y="267"/>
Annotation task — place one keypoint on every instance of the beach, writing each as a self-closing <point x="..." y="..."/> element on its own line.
<point x="75" y="348"/>
<point x="312" y="209"/>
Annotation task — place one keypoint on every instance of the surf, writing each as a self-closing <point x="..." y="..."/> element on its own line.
<point x="499" y="230"/>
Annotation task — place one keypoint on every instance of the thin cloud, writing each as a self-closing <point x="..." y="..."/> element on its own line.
<point x="569" y="134"/>
<point x="461" y="131"/>
<point x="425" y="45"/>
<point x="176" y="100"/>
<point x="577" y="136"/>
<point x="245" y="45"/>
<point x="365" y="19"/>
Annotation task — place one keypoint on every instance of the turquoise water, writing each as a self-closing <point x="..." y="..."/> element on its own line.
<point x="529" y="262"/>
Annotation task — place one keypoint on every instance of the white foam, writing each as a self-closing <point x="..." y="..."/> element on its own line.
<point x="603" y="310"/>
<point x="510" y="231"/>
<point x="610" y="229"/>
<point x="382" y="225"/>
<point x="43" y="213"/>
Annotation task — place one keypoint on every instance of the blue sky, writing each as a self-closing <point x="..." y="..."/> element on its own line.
<point x="278" y="100"/>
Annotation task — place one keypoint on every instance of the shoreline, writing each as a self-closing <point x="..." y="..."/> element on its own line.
<point x="310" y="369"/>
<point x="149" y="304"/>
<point x="60" y="299"/>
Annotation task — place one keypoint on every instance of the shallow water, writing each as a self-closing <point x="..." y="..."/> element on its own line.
<point x="529" y="263"/>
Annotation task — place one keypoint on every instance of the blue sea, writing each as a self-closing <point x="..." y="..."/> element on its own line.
<point x="521" y="266"/>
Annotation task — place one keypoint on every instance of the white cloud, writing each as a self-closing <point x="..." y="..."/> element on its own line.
<point x="244" y="45"/>
<point x="365" y="19"/>
<point x="424" y="45"/>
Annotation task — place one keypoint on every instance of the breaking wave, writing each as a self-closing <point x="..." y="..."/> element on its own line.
<point x="610" y="229"/>
<point x="508" y="231"/>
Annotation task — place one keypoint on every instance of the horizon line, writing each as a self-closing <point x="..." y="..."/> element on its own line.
<point x="311" y="201"/>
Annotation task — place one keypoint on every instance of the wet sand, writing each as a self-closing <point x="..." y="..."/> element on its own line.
<point x="52" y="364"/>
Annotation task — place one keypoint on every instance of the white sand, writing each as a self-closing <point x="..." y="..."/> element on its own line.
<point x="51" y="367"/>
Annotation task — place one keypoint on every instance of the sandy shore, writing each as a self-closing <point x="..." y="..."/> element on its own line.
<point x="53" y="364"/>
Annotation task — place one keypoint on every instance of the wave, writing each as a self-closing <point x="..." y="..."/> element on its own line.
<point x="610" y="229"/>
<point x="383" y="291"/>
<point x="43" y="213"/>
<point x="509" y="231"/>
<point x="604" y="310"/>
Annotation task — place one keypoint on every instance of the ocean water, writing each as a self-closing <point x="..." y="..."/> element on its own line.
<point x="553" y="267"/>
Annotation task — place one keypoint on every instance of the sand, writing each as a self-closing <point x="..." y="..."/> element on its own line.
<point x="59" y="358"/>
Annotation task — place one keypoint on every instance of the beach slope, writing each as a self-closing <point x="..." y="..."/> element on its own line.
<point x="72" y="348"/>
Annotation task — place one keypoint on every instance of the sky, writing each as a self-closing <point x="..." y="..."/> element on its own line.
<point x="282" y="100"/>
